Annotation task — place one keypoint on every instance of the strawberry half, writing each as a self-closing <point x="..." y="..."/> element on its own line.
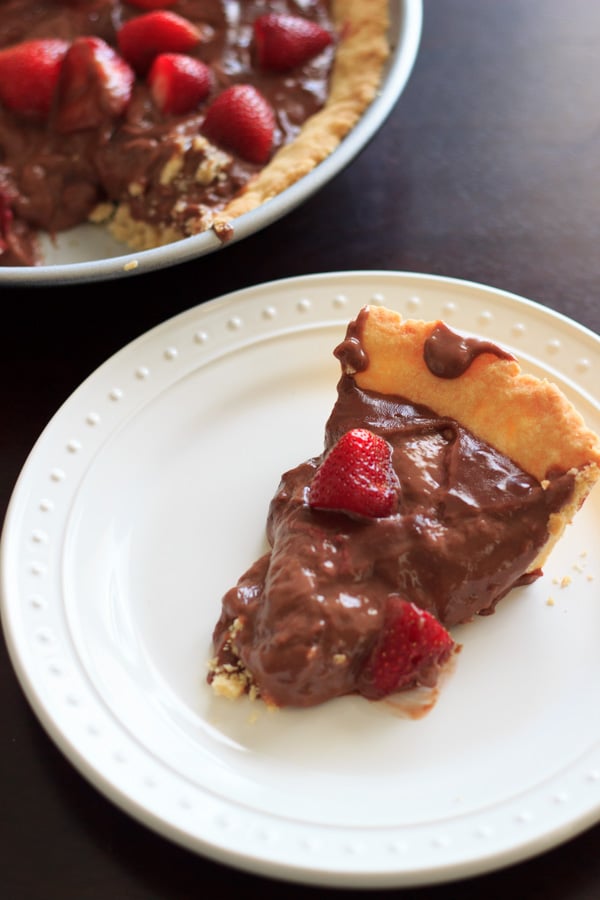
<point x="29" y="74"/>
<point x="357" y="477"/>
<point x="283" y="42"/>
<point x="144" y="37"/>
<point x="241" y="119"/>
<point x="412" y="647"/>
<point x="95" y="85"/>
<point x="178" y="83"/>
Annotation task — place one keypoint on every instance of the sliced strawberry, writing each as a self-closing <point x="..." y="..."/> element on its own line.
<point x="95" y="85"/>
<point x="152" y="4"/>
<point x="143" y="38"/>
<point x="357" y="477"/>
<point x="178" y="83"/>
<point x="241" y="119"/>
<point x="283" y="41"/>
<point x="411" y="648"/>
<point x="29" y="74"/>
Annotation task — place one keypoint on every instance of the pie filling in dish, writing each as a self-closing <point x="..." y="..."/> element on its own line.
<point x="159" y="119"/>
<point x="446" y="478"/>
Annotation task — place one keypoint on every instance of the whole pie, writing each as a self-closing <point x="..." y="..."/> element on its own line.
<point x="159" y="120"/>
<point x="446" y="478"/>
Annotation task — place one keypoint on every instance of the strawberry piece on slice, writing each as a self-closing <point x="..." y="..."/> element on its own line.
<point x="241" y="119"/>
<point x="95" y="85"/>
<point x="283" y="42"/>
<point x="357" y="477"/>
<point x="144" y="37"/>
<point x="412" y="647"/>
<point x="178" y="83"/>
<point x="29" y="74"/>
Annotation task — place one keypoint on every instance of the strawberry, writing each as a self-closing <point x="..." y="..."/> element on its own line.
<point x="29" y="74"/>
<point x="410" y="649"/>
<point x="95" y="85"/>
<point x="283" y="41"/>
<point x="144" y="37"/>
<point x="357" y="477"/>
<point x="241" y="119"/>
<point x="178" y="83"/>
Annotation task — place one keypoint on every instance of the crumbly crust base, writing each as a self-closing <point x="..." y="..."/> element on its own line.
<point x="527" y="418"/>
<point x="356" y="75"/>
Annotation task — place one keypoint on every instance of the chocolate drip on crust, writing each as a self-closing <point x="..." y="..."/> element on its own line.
<point x="448" y="354"/>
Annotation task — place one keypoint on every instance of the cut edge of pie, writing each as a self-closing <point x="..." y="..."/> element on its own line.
<point x="356" y="76"/>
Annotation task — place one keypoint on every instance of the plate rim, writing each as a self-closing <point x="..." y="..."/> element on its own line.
<point x="390" y="878"/>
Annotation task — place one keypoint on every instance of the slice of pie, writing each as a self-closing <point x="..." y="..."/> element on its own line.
<point x="446" y="478"/>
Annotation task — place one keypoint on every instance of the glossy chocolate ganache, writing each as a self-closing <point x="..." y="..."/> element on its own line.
<point x="469" y="524"/>
<point x="54" y="177"/>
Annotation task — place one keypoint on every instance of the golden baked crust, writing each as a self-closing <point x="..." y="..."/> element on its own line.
<point x="528" y="419"/>
<point x="356" y="75"/>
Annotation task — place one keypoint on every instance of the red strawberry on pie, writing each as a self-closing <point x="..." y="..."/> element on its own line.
<point x="411" y="648"/>
<point x="241" y="119"/>
<point x="283" y="42"/>
<point x="144" y="37"/>
<point x="95" y="86"/>
<point x="29" y="74"/>
<point x="178" y="83"/>
<point x="357" y="477"/>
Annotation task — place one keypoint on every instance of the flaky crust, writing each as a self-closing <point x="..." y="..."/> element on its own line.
<point x="527" y="418"/>
<point x="356" y="75"/>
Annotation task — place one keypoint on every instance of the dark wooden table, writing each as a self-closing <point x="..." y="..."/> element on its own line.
<point x="488" y="170"/>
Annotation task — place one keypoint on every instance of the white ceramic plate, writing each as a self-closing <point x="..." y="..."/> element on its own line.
<point x="88" y="253"/>
<point x="146" y="497"/>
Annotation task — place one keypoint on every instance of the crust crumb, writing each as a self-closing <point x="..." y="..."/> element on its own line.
<point x="101" y="213"/>
<point x="173" y="166"/>
<point x="232" y="679"/>
<point x="135" y="189"/>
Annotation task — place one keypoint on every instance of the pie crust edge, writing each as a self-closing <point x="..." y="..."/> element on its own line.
<point x="493" y="398"/>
